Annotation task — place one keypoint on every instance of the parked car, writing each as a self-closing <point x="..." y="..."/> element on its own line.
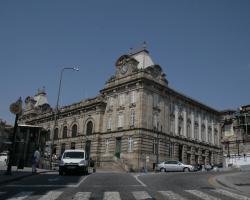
<point x="73" y="161"/>
<point x="173" y="165"/>
<point x="4" y="157"/>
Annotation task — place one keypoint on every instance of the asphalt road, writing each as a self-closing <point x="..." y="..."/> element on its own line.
<point x="116" y="186"/>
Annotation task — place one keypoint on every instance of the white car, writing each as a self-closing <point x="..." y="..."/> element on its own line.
<point x="73" y="161"/>
<point x="4" y="157"/>
<point x="174" y="166"/>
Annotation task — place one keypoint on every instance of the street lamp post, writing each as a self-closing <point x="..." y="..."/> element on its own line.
<point x="56" y="110"/>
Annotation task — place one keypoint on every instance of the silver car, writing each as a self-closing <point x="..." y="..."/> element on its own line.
<point x="174" y="166"/>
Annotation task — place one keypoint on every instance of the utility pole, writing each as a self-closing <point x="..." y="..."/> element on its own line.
<point x="15" y="108"/>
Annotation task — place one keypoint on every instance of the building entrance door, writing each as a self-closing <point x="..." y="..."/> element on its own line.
<point x="87" y="149"/>
<point x="180" y="152"/>
<point x="118" y="147"/>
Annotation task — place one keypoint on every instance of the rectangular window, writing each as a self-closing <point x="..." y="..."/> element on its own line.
<point x="156" y="121"/>
<point x="228" y="130"/>
<point x="109" y="123"/>
<point x="121" y="99"/>
<point x="120" y="120"/>
<point x="110" y="101"/>
<point x="106" y="145"/>
<point x="130" y="144"/>
<point x="155" y="100"/>
<point x="133" y="97"/>
<point x="172" y="124"/>
<point x="132" y="118"/>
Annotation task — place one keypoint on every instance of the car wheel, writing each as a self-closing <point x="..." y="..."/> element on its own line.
<point x="163" y="170"/>
<point x="186" y="169"/>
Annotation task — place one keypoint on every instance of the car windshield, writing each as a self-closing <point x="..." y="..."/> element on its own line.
<point x="73" y="155"/>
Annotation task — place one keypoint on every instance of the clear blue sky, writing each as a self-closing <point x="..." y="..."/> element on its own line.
<point x="203" y="47"/>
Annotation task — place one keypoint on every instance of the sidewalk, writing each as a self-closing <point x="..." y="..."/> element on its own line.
<point x="16" y="174"/>
<point x="239" y="181"/>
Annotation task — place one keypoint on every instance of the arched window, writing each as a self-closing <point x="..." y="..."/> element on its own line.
<point x="196" y="133"/>
<point x="203" y="136"/>
<point x="180" y="127"/>
<point x="56" y="134"/>
<point x="209" y="135"/>
<point x="74" y="130"/>
<point x="189" y="129"/>
<point x="172" y="125"/>
<point x="216" y="139"/>
<point x="65" y="130"/>
<point x="89" y="128"/>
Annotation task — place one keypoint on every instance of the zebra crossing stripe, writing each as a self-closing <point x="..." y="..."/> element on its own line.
<point x="82" y="196"/>
<point x="111" y="196"/>
<point x="202" y="195"/>
<point x="20" y="196"/>
<point x="51" y="195"/>
<point x="230" y="194"/>
<point x="140" y="195"/>
<point x="171" y="195"/>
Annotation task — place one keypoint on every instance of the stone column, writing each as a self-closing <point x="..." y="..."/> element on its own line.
<point x="192" y="157"/>
<point x="192" y="125"/>
<point x="185" y="123"/>
<point x="199" y="129"/>
<point x="212" y="131"/>
<point x="200" y="156"/>
<point x="206" y="130"/>
<point x="184" y="154"/>
<point x="176" y="115"/>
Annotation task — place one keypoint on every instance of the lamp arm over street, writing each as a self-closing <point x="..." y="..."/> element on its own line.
<point x="57" y="109"/>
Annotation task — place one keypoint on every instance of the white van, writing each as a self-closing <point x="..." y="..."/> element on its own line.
<point x="73" y="161"/>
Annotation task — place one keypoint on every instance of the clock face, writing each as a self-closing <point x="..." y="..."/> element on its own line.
<point x="124" y="68"/>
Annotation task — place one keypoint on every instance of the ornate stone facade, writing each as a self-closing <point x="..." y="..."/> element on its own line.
<point x="236" y="136"/>
<point x="136" y="120"/>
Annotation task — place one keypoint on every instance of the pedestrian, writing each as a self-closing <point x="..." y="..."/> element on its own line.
<point x="35" y="160"/>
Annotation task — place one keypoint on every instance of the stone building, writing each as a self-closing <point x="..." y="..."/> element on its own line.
<point x="6" y="132"/>
<point x="135" y="121"/>
<point x="236" y="136"/>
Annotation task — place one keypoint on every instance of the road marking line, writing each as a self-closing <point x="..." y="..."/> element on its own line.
<point x="20" y="196"/>
<point x="202" y="195"/>
<point x="136" y="177"/>
<point x="111" y="196"/>
<point x="82" y="196"/>
<point x="140" y="195"/>
<point x="77" y="185"/>
<point x="51" y="195"/>
<point x="171" y="195"/>
<point x="230" y="194"/>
